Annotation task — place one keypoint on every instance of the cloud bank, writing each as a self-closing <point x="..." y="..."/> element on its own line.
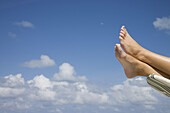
<point x="66" y="92"/>
<point x="44" y="61"/>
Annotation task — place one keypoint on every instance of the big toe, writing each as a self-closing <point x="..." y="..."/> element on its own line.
<point x="124" y="29"/>
<point x="117" y="54"/>
<point x="120" y="51"/>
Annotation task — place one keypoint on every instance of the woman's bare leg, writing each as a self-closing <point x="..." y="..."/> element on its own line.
<point x="162" y="73"/>
<point x="132" y="66"/>
<point x="132" y="48"/>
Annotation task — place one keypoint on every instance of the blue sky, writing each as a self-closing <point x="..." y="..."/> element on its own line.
<point x="79" y="33"/>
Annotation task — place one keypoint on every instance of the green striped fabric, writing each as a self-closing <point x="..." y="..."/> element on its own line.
<point x="159" y="83"/>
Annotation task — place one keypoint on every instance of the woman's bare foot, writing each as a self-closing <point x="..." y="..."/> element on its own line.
<point x="131" y="65"/>
<point x="130" y="46"/>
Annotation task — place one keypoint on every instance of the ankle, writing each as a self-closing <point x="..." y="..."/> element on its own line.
<point x="142" y="54"/>
<point x="143" y="69"/>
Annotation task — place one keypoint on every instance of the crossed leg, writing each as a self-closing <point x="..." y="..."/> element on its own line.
<point x="149" y="61"/>
<point x="132" y="66"/>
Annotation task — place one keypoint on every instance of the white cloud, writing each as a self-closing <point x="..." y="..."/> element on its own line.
<point x="71" y="94"/>
<point x="44" y="86"/>
<point x="14" y="80"/>
<point x="162" y="23"/>
<point x="44" y="61"/>
<point x="134" y="91"/>
<point x="24" y="24"/>
<point x="40" y="82"/>
<point x="13" y="35"/>
<point x="46" y="95"/>
<point x="11" y="92"/>
<point x="12" y="86"/>
<point x="66" y="72"/>
<point x="86" y="96"/>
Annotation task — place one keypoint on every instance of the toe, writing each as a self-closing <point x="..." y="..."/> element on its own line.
<point x="120" y="38"/>
<point x="123" y="29"/>
<point x="115" y="48"/>
<point x="120" y="50"/>
<point x="121" y="34"/>
<point x="116" y="52"/>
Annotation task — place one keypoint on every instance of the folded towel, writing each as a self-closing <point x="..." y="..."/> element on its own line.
<point x="159" y="83"/>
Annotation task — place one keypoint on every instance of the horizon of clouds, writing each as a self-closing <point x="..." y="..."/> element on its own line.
<point x="66" y="92"/>
<point x="44" y="61"/>
<point x="26" y="24"/>
<point x="162" y="24"/>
